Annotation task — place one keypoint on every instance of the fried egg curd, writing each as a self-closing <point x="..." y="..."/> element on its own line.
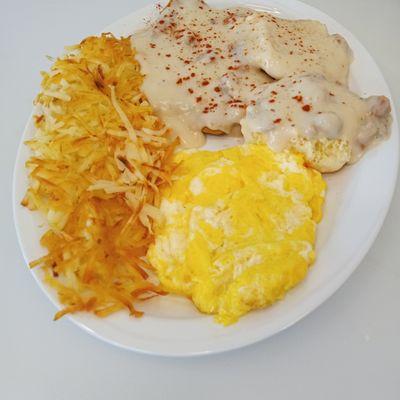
<point x="238" y="228"/>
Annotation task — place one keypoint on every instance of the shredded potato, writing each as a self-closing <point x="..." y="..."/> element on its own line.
<point x="99" y="156"/>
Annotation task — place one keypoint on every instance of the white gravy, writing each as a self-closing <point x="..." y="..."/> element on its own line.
<point x="202" y="65"/>
<point x="311" y="107"/>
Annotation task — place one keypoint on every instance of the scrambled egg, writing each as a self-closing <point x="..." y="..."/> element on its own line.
<point x="238" y="228"/>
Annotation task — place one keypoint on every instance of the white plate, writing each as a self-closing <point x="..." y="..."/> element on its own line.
<point x="357" y="201"/>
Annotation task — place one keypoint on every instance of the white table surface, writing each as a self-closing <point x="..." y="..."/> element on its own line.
<point x="348" y="348"/>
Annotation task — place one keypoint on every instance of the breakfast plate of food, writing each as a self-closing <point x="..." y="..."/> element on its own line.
<point x="202" y="175"/>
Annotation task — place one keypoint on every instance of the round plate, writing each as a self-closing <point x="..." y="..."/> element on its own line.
<point x="357" y="201"/>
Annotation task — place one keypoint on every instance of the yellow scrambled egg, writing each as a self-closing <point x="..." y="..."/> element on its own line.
<point x="238" y="228"/>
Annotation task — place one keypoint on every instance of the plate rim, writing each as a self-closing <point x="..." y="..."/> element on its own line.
<point x="328" y="289"/>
